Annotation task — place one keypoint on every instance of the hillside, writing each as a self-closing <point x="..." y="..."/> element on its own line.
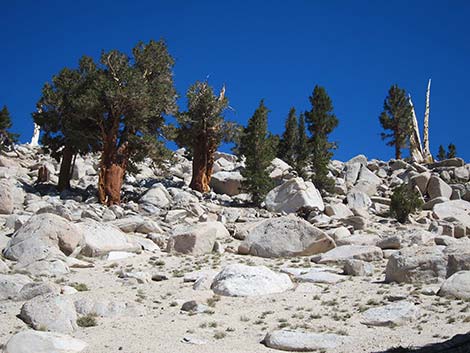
<point x="175" y="270"/>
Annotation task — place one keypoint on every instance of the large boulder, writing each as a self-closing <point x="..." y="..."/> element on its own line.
<point x="44" y="236"/>
<point x="284" y="237"/>
<point x="367" y="181"/>
<point x="416" y="264"/>
<point x="358" y="200"/>
<point x="11" y="196"/>
<point x="104" y="307"/>
<point x="50" y="312"/>
<point x="296" y="341"/>
<point x="135" y="224"/>
<point x="293" y="195"/>
<point x="31" y="341"/>
<point x="458" y="260"/>
<point x="438" y="188"/>
<point x="421" y="181"/>
<point x="278" y="169"/>
<point x="342" y="253"/>
<point x="196" y="239"/>
<point x="34" y="289"/>
<point x="338" y="211"/>
<point x="228" y="183"/>
<point x="455" y="210"/>
<point x="457" y="286"/>
<point x="11" y="285"/>
<point x="351" y="172"/>
<point x="239" y="280"/>
<point x="102" y="238"/>
<point x="157" y="196"/>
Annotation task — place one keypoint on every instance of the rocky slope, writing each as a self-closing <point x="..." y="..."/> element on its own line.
<point x="172" y="270"/>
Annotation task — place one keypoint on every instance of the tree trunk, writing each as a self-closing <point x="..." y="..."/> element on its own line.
<point x="199" y="180"/>
<point x="426" y="151"/>
<point x="397" y="151"/>
<point x="113" y="167"/>
<point x="211" y="149"/>
<point x="65" y="169"/>
<point x="110" y="183"/>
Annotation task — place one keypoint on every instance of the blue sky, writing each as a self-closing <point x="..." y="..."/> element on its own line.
<point x="276" y="50"/>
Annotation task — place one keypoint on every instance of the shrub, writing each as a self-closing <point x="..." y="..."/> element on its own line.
<point x="405" y="200"/>
<point x="81" y="287"/>
<point x="87" y="321"/>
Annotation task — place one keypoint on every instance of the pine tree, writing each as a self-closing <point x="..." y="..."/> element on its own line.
<point x="289" y="141"/>
<point x="451" y="151"/>
<point x="441" y="155"/>
<point x="397" y="118"/>
<point x="321" y="121"/>
<point x="118" y="106"/>
<point x="302" y="147"/>
<point x="7" y="138"/>
<point x="67" y="128"/>
<point x="133" y="97"/>
<point x="256" y="146"/>
<point x="201" y="130"/>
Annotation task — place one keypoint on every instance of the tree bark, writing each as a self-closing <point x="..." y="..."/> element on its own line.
<point x="426" y="151"/>
<point x="65" y="169"/>
<point x="211" y="149"/>
<point x="397" y="151"/>
<point x="110" y="183"/>
<point x="199" y="181"/>
<point x="113" y="167"/>
<point x="416" y="149"/>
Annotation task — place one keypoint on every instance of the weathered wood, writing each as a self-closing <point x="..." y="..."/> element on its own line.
<point x="416" y="150"/>
<point x="36" y="132"/>
<point x="426" y="151"/>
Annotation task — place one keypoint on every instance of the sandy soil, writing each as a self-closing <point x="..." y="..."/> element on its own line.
<point x="160" y="326"/>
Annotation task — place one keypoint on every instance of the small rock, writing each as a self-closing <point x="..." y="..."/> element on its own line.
<point x="392" y="314"/>
<point x="354" y="267"/>
<point x="286" y="340"/>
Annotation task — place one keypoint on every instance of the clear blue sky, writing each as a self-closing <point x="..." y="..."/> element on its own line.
<point x="276" y="50"/>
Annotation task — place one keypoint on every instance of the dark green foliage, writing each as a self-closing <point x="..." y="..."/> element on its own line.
<point x="404" y="201"/>
<point x="257" y="147"/>
<point x="116" y="107"/>
<point x="441" y="154"/>
<point x="204" y="117"/>
<point x="7" y="138"/>
<point x="397" y="118"/>
<point x="289" y="141"/>
<point x="133" y="97"/>
<point x="321" y="121"/>
<point x="87" y="321"/>
<point x="202" y="129"/>
<point x="451" y="151"/>
<point x="302" y="147"/>
<point x="63" y="111"/>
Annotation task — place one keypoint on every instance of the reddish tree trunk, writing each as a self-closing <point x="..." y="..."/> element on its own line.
<point x="113" y="167"/>
<point x="203" y="164"/>
<point x="110" y="182"/>
<point x="199" y="180"/>
<point x="211" y="149"/>
<point x="65" y="169"/>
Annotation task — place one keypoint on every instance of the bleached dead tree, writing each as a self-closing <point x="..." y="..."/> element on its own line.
<point x="420" y="152"/>
<point x="36" y="132"/>
<point x="426" y="152"/>
<point x="416" y="150"/>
